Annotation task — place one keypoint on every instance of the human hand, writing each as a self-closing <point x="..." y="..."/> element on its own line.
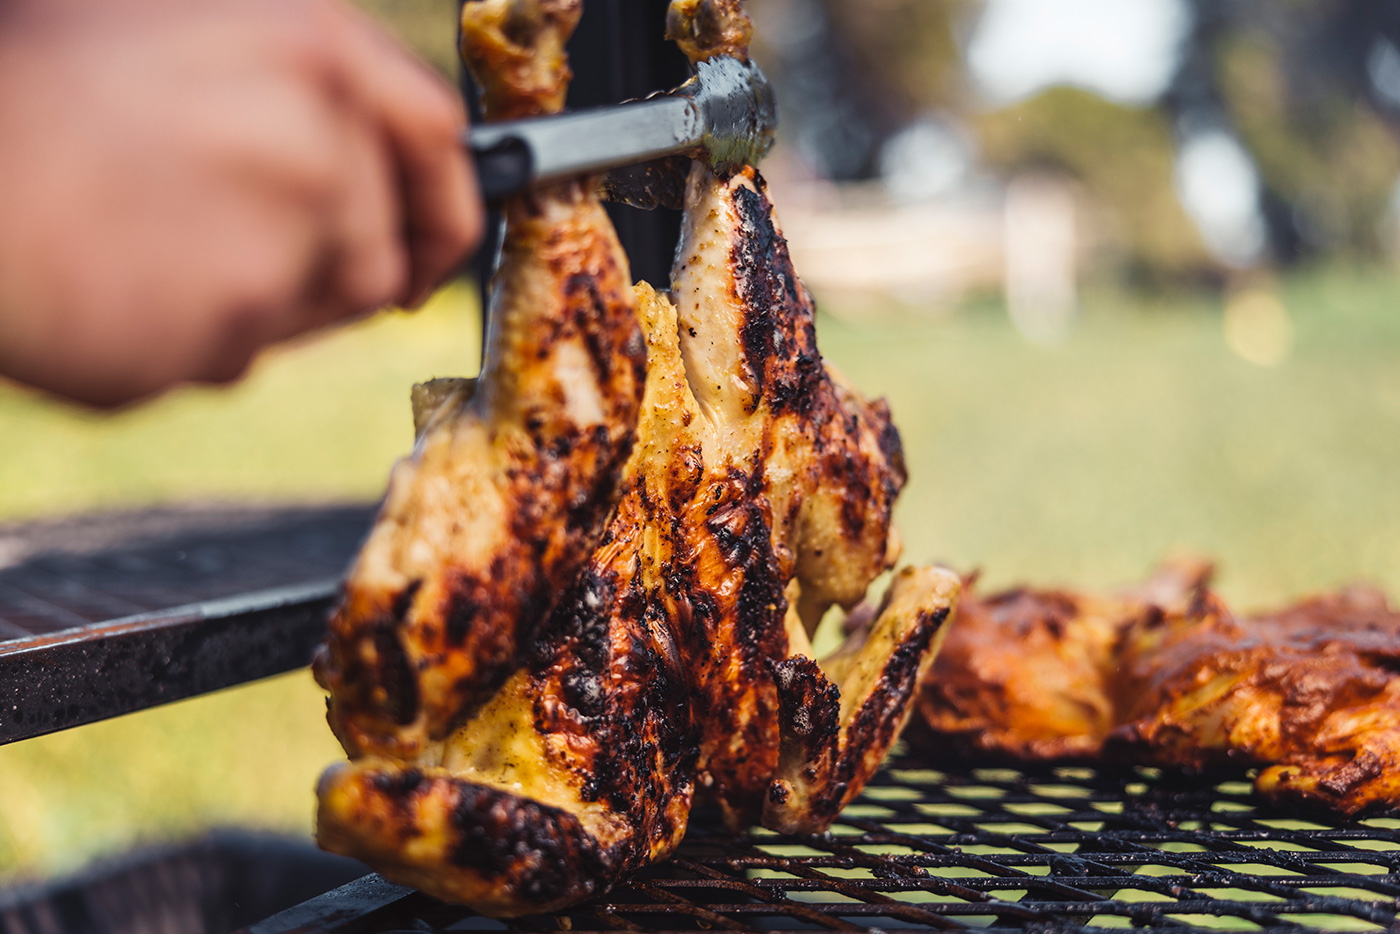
<point x="183" y="182"/>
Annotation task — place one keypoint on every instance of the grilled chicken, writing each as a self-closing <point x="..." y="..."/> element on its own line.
<point x="581" y="767"/>
<point x="1310" y="694"/>
<point x="508" y="488"/>
<point x="757" y="495"/>
<point x="1168" y="676"/>
<point x="1029" y="674"/>
<point x="513" y="477"/>
<point x="1023" y="674"/>
<point x="792" y="514"/>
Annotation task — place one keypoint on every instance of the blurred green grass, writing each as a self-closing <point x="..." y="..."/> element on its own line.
<point x="1083" y="462"/>
<point x="1143" y="434"/>
<point x="320" y="419"/>
<point x="429" y="27"/>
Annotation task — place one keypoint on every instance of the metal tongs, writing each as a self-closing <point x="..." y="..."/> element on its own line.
<point x="724" y="113"/>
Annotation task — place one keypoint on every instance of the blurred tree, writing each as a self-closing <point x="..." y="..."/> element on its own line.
<point x="1302" y="83"/>
<point x="1296" y="79"/>
<point x="1123" y="156"/>
<point x="429" y="27"/>
<point x="1327" y="154"/>
<point x="910" y="49"/>
<point x="852" y="73"/>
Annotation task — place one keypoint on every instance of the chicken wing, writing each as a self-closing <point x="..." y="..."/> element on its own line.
<point x="508" y="491"/>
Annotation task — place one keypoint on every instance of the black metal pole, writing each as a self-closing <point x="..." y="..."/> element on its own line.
<point x="618" y="52"/>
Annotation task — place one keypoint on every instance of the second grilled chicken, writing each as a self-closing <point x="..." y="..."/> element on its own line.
<point x="1309" y="693"/>
<point x="1169" y="676"/>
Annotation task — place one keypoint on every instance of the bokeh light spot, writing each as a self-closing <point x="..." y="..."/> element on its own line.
<point x="1258" y="327"/>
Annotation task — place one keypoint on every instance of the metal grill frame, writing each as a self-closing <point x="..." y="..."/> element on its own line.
<point x="1000" y="849"/>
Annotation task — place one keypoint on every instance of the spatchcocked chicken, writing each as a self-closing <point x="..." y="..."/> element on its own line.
<point x="676" y="660"/>
<point x="1168" y="676"/>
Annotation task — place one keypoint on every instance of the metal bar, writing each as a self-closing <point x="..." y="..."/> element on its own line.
<point x="349" y="903"/>
<point x="81" y="675"/>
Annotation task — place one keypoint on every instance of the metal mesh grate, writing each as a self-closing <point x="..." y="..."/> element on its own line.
<point x="999" y="849"/>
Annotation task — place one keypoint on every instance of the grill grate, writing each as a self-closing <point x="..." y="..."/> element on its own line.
<point x="86" y="570"/>
<point x="996" y="849"/>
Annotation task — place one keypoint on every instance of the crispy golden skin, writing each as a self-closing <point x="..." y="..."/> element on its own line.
<point x="792" y="514"/>
<point x="1030" y="674"/>
<point x="663" y="653"/>
<point x="793" y="510"/>
<point x="1168" y="676"/>
<point x="508" y="487"/>
<point x="588" y="746"/>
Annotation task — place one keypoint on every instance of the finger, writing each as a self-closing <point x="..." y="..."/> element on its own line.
<point x="422" y="120"/>
<point x="368" y="262"/>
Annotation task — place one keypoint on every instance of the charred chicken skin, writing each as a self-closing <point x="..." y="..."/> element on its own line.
<point x="757" y="494"/>
<point x="1022" y="675"/>
<point x="790" y="516"/>
<point x="508" y="488"/>
<point x="1030" y="674"/>
<point x="1168" y="676"/>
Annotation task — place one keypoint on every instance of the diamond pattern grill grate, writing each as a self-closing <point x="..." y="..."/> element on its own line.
<point x="926" y="847"/>
<point x="929" y="848"/>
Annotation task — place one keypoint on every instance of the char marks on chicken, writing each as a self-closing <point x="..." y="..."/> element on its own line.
<point x="1310" y="694"/>
<point x="508" y="488"/>
<point x="676" y="659"/>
